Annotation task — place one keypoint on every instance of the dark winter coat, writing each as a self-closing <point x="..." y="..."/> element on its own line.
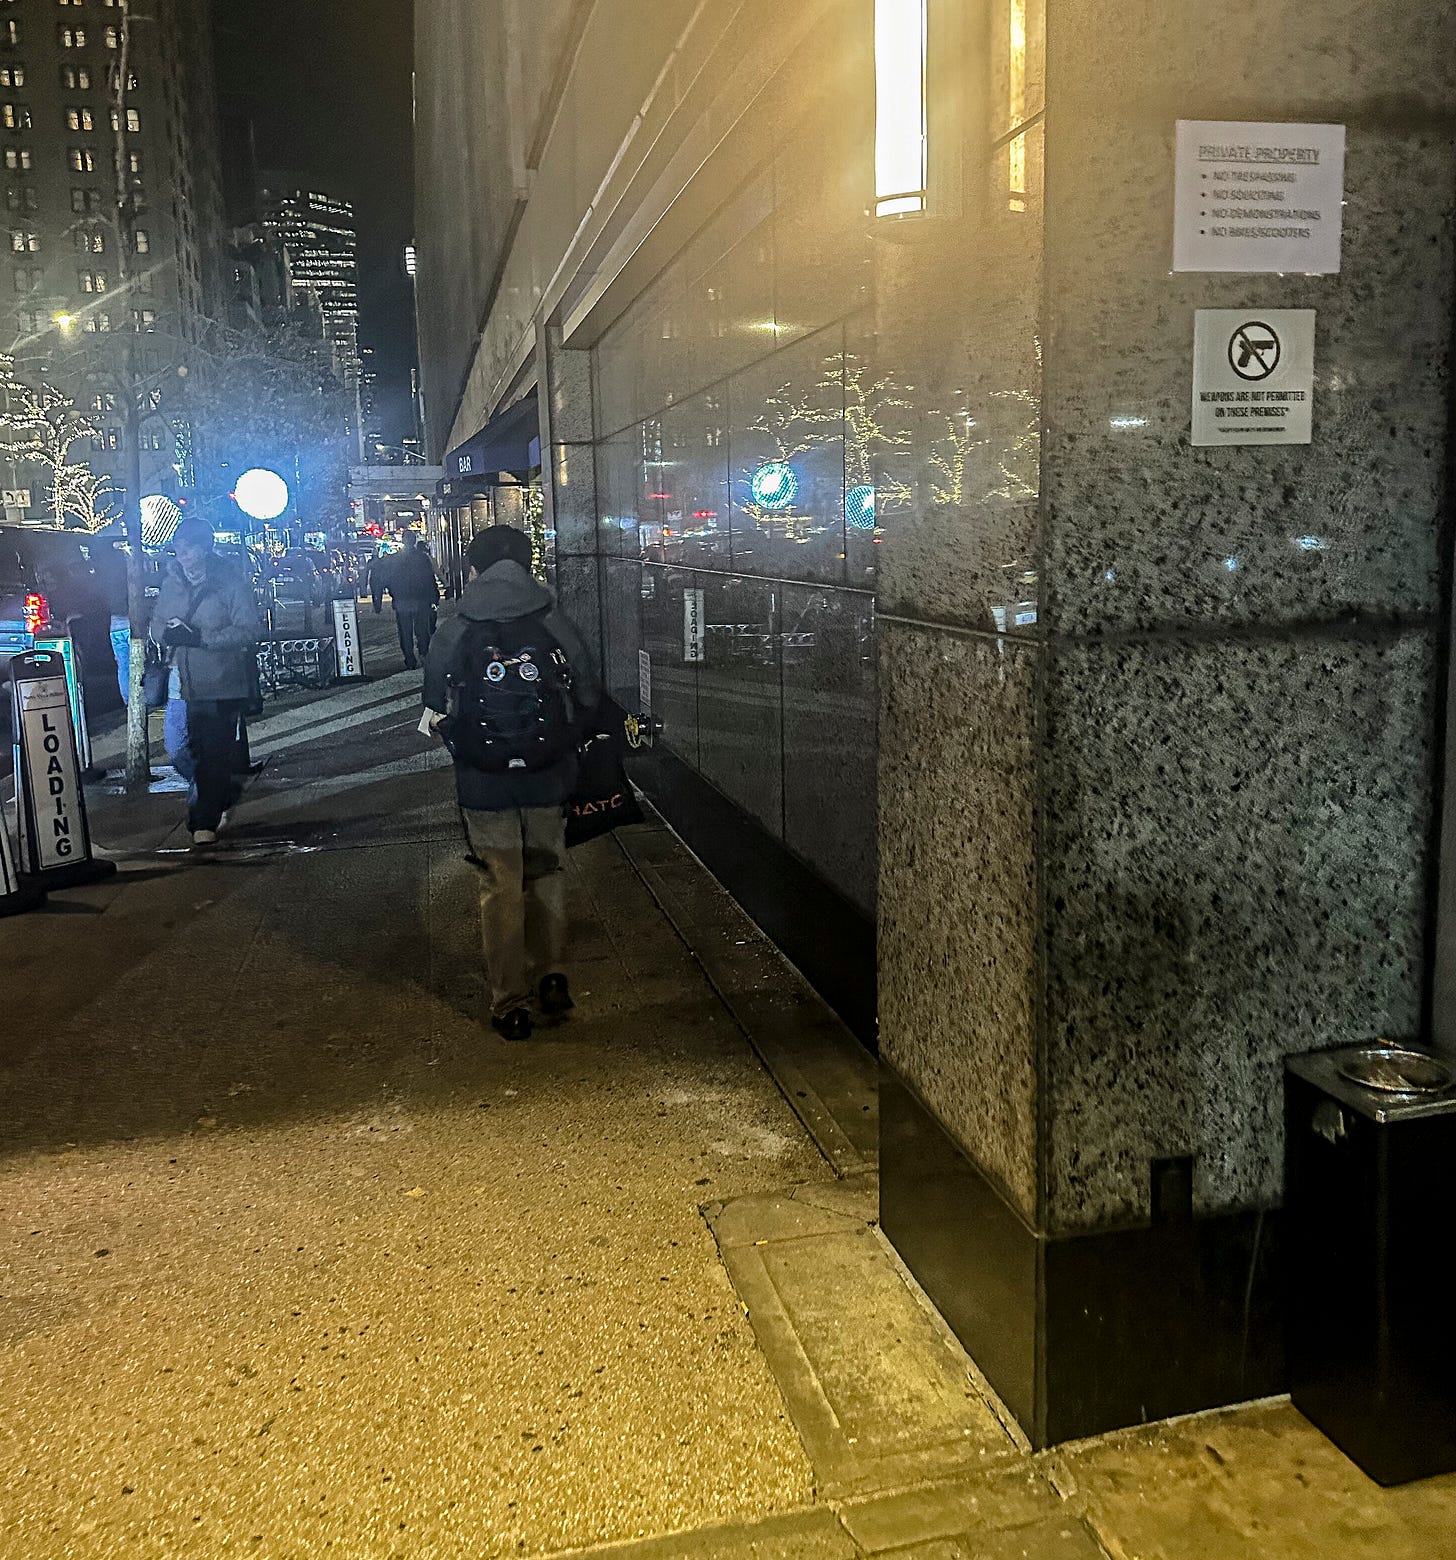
<point x="223" y="666"/>
<point x="503" y="594"/>
<point x="409" y="577"/>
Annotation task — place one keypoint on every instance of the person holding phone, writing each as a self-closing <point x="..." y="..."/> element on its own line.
<point x="207" y="620"/>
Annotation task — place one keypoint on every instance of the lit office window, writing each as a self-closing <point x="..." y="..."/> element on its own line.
<point x="96" y="323"/>
<point x="1016" y="103"/>
<point x="80" y="160"/>
<point x="72" y="37"/>
<point x="79" y="119"/>
<point x="15" y="116"/>
<point x="142" y="242"/>
<point x="91" y="241"/>
<point x="92" y="281"/>
<point x="133" y="119"/>
<point x="12" y="75"/>
<point x="24" y="242"/>
<point x="113" y="37"/>
<point x="17" y="157"/>
<point x="901" y="152"/>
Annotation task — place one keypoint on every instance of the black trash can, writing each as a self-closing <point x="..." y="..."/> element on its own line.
<point x="1370" y="1226"/>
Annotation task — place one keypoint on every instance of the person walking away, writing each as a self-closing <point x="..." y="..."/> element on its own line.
<point x="206" y="617"/>
<point x="409" y="577"/>
<point x="510" y="688"/>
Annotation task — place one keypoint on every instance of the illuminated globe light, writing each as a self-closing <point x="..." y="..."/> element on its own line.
<point x="859" y="508"/>
<point x="261" y="494"/>
<point x="774" y="486"/>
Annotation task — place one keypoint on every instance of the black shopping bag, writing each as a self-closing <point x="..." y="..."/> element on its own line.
<point x="604" y="799"/>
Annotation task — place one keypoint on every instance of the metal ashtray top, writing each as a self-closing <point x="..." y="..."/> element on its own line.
<point x="1394" y="1069"/>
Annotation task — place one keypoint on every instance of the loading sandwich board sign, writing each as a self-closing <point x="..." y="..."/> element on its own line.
<point x="54" y="835"/>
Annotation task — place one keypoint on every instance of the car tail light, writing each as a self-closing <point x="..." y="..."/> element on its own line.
<point x="37" y="613"/>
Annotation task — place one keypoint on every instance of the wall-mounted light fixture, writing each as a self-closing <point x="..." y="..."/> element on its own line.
<point x="901" y="138"/>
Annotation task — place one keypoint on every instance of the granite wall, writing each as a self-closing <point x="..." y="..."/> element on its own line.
<point x="1159" y="722"/>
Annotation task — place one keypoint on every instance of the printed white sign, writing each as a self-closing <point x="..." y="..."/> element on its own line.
<point x="644" y="683"/>
<point x="1256" y="197"/>
<point x="1253" y="376"/>
<point x="694" y="632"/>
<point x="346" y="638"/>
<point x="51" y="775"/>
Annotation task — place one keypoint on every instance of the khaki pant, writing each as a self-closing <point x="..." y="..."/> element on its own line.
<point x="522" y="857"/>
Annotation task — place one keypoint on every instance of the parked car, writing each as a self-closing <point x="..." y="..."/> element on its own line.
<point x="296" y="579"/>
<point x="50" y="583"/>
<point x="256" y="571"/>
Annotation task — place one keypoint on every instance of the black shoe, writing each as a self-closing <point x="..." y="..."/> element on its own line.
<point x="515" y="1025"/>
<point x="555" y="996"/>
<point x="411" y="666"/>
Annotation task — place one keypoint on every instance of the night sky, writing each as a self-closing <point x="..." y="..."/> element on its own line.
<point x="327" y="85"/>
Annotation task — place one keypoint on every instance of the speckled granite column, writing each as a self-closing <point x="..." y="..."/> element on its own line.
<point x="1157" y="723"/>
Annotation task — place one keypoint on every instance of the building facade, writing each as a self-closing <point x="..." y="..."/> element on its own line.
<point x="320" y="238"/>
<point x="862" y="383"/>
<point x="63" y="105"/>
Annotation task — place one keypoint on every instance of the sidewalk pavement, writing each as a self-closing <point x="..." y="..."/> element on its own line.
<point x="297" y="1257"/>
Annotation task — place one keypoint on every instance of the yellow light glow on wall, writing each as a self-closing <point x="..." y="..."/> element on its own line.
<point x="900" y="123"/>
<point x="1016" y="96"/>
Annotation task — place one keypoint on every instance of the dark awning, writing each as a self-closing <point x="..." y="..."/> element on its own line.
<point x="509" y="442"/>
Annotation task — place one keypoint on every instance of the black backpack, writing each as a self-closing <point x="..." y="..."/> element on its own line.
<point x="513" y="709"/>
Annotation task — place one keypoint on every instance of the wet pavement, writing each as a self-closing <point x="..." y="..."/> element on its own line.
<point x="298" y="1258"/>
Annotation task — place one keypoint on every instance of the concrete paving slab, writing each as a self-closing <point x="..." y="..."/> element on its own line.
<point x="1059" y="1539"/>
<point x="982" y="1504"/>
<point x="879" y="1395"/>
<point x="807" y="1535"/>
<point x="1259" y="1483"/>
<point x="755" y="1221"/>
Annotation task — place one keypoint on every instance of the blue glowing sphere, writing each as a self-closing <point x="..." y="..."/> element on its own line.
<point x="774" y="486"/>
<point x="261" y="494"/>
<point x="859" y="508"/>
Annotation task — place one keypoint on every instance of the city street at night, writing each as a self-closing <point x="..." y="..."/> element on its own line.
<point x="726" y="824"/>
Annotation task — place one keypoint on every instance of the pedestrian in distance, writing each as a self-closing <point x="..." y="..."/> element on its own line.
<point x="409" y="577"/>
<point x="206" y="620"/>
<point x="510" y="689"/>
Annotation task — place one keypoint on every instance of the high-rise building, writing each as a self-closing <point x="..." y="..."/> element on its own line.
<point x="319" y="236"/>
<point x="63" y="106"/>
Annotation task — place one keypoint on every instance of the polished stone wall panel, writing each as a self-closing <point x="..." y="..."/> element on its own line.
<point x="578" y="593"/>
<point x="740" y="697"/>
<point x="1143" y="530"/>
<point x="789" y="410"/>
<point x="1233" y="860"/>
<point x="674" y="678"/>
<point x="957" y="889"/>
<point x="622" y="627"/>
<point x="959" y="392"/>
<point x="829" y="717"/>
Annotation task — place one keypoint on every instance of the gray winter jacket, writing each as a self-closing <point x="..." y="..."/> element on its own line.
<point x="503" y="594"/>
<point x="224" y="613"/>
